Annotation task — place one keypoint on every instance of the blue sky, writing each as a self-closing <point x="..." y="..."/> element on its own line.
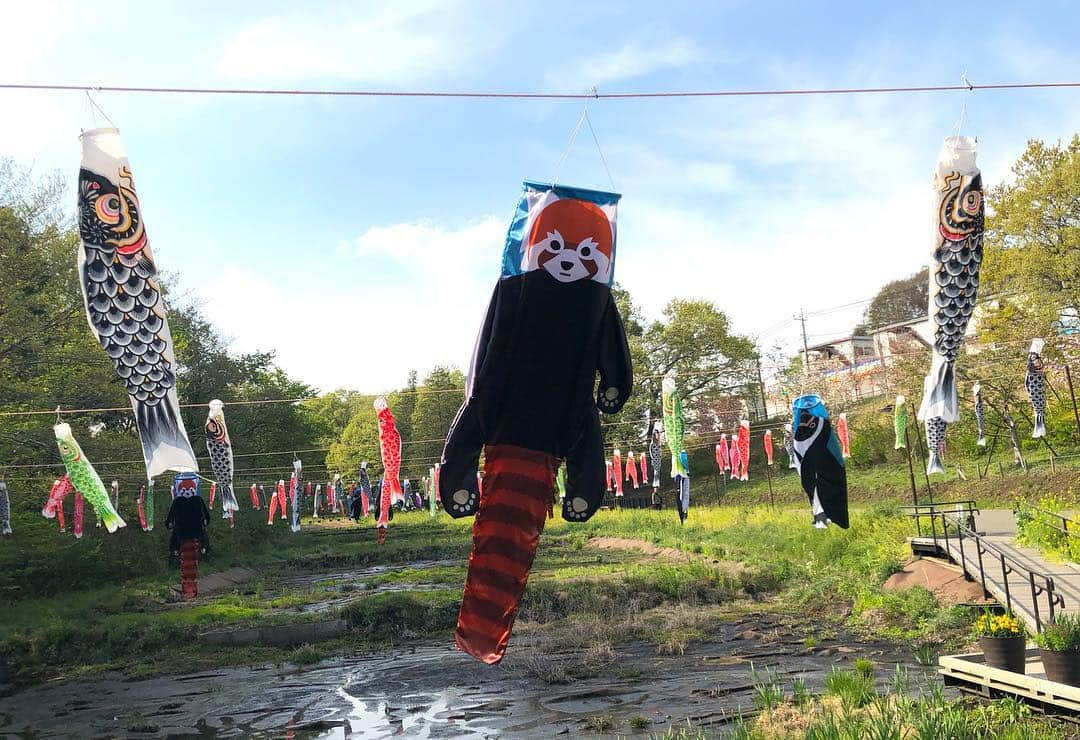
<point x="360" y="238"/>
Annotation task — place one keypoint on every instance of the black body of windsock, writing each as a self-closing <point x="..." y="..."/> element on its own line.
<point x="821" y="468"/>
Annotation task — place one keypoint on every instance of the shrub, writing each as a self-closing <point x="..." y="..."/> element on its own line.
<point x="1063" y="633"/>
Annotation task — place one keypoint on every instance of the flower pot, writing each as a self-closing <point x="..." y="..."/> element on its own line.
<point x="1006" y="653"/>
<point x="1062" y="666"/>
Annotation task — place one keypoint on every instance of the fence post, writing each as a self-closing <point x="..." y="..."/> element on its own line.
<point x="911" y="470"/>
<point x="1072" y="395"/>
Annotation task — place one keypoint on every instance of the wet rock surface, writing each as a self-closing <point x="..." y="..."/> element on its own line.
<point x="435" y="691"/>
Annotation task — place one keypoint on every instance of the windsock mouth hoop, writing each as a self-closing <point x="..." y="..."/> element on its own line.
<point x="1037" y="345"/>
<point x="961" y="143"/>
<point x="810" y="404"/>
<point x="91" y="133"/>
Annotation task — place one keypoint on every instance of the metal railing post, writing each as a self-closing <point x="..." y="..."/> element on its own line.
<point x="982" y="573"/>
<point x="1035" y="601"/>
<point x="963" y="560"/>
<point x="1005" y="579"/>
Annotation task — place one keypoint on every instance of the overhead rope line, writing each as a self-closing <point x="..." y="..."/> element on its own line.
<point x="519" y="95"/>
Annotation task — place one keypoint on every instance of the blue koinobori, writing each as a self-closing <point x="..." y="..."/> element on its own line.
<point x="820" y="461"/>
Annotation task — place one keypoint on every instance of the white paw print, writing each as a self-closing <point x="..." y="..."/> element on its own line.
<point x="609" y="399"/>
<point x="462" y="500"/>
<point x="576" y="508"/>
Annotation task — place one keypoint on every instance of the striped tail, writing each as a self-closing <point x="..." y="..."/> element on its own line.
<point x="1040" y="425"/>
<point x="112" y="520"/>
<point x="517" y="487"/>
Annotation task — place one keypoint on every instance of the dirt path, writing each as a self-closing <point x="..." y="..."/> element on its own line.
<point x="642" y="546"/>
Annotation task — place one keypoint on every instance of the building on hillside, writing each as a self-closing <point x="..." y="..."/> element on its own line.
<point x="855" y="368"/>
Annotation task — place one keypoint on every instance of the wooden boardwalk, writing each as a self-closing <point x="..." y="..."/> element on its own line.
<point x="998" y="527"/>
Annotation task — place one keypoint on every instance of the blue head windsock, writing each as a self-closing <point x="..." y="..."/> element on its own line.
<point x="820" y="461"/>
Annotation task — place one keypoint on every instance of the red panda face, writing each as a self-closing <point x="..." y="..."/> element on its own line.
<point x="572" y="240"/>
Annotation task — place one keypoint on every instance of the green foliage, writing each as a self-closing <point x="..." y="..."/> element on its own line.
<point x="899" y="300"/>
<point x="1039" y="526"/>
<point x="768" y="691"/>
<point x="1033" y="234"/>
<point x="437" y="401"/>
<point x="392" y="617"/>
<point x="854" y="688"/>
<point x="1063" y="633"/>
<point x="694" y="339"/>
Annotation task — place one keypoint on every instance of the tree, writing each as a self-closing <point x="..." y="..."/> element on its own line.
<point x="359" y="442"/>
<point x="437" y="402"/>
<point x="899" y="300"/>
<point x="1032" y="253"/>
<point x="49" y="357"/>
<point x="402" y="404"/>
<point x="695" y="341"/>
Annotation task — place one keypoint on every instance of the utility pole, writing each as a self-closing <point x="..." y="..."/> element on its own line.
<point x="806" y="352"/>
<point x="761" y="387"/>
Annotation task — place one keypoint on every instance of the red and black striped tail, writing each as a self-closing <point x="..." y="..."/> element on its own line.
<point x="517" y="488"/>
<point x="189" y="568"/>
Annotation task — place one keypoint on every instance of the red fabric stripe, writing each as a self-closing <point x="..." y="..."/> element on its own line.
<point x="506" y="532"/>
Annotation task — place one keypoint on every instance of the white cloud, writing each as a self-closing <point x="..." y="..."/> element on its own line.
<point x="367" y="334"/>
<point x="30" y="32"/>
<point x="389" y="43"/>
<point x="633" y="59"/>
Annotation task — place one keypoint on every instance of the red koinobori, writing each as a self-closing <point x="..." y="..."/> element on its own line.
<point x="531" y="399"/>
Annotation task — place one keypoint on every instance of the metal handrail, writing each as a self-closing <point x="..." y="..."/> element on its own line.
<point x="918" y="511"/>
<point x="1065" y="521"/>
<point x="1039" y="584"/>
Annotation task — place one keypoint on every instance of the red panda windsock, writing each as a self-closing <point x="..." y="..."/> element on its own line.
<point x="766" y="442"/>
<point x="644" y="469"/>
<point x="610" y="476"/>
<point x="551" y="327"/>
<point x="631" y="468"/>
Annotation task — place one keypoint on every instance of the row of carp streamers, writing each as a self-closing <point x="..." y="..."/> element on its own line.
<point x="1034" y="383"/>
<point x="126" y="313"/>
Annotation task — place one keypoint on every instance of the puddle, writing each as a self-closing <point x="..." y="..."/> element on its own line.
<point x="433" y="691"/>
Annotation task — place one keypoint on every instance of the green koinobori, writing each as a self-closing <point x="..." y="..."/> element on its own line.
<point x="85" y="478"/>
<point x="900" y="423"/>
<point x="674" y="427"/>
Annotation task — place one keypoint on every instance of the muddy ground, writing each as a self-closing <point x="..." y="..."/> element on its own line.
<point x="432" y="690"/>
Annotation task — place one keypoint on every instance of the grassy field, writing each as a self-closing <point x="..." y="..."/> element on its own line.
<point x="740" y="555"/>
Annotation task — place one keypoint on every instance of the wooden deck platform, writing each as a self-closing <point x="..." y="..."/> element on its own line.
<point x="970" y="674"/>
<point x="998" y="526"/>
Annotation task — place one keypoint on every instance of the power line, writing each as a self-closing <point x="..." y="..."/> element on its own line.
<point x="510" y="95"/>
<point x="267" y="401"/>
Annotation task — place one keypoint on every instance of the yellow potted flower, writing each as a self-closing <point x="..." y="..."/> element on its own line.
<point x="1003" y="640"/>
